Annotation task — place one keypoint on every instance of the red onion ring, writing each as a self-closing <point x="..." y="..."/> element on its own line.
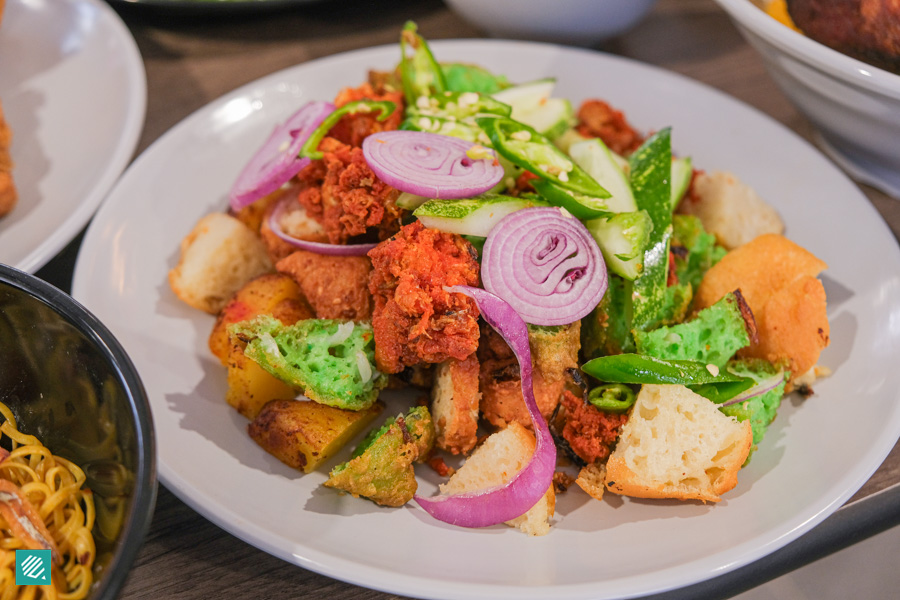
<point x="431" y="165"/>
<point x="544" y="262"/>
<point x="277" y="160"/>
<point x="763" y="387"/>
<point x="513" y="499"/>
<point x="317" y="247"/>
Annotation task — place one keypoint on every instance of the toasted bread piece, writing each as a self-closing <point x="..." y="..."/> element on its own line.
<point x="677" y="444"/>
<point x="778" y="280"/>
<point x="730" y="209"/>
<point x="496" y="461"/>
<point x="454" y="404"/>
<point x="592" y="478"/>
<point x="218" y="257"/>
<point x="8" y="194"/>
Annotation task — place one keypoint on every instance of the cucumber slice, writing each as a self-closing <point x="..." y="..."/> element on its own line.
<point x="566" y="139"/>
<point x="526" y="97"/>
<point x="623" y="239"/>
<point x="553" y="117"/>
<point x="409" y="201"/>
<point x="682" y="171"/>
<point x="471" y="216"/>
<point x="602" y="164"/>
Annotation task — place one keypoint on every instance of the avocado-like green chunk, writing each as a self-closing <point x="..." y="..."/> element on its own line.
<point x="331" y="362"/>
<point x="381" y="467"/>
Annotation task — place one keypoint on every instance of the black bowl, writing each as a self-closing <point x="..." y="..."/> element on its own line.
<point x="69" y="383"/>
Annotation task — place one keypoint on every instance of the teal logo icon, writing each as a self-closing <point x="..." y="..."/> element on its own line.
<point x="32" y="567"/>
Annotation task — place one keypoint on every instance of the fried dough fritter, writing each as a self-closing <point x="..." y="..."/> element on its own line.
<point x="8" y="194"/>
<point x="335" y="286"/>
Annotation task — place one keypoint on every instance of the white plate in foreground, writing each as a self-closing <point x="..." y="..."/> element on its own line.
<point x="74" y="92"/>
<point x="816" y="454"/>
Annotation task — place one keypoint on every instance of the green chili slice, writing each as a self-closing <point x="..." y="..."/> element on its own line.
<point x="310" y="148"/>
<point x="420" y="73"/>
<point x="710" y="382"/>
<point x="526" y="148"/>
<point x="612" y="397"/>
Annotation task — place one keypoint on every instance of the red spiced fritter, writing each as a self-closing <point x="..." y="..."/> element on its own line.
<point x="589" y="431"/>
<point x="342" y="193"/>
<point x="596" y="118"/>
<point x="415" y="320"/>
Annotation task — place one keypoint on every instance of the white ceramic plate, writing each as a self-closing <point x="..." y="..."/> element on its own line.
<point x="74" y="93"/>
<point x="816" y="454"/>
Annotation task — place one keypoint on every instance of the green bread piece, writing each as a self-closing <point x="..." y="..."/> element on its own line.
<point x="762" y="409"/>
<point x="317" y="356"/>
<point x="694" y="249"/>
<point x="712" y="337"/>
<point x="381" y="467"/>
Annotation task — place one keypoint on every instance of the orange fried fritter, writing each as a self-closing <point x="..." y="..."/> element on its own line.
<point x="596" y="118"/>
<point x="589" y="431"/>
<point x="415" y="320"/>
<point x="342" y="193"/>
<point x="335" y="286"/>
<point x="353" y="129"/>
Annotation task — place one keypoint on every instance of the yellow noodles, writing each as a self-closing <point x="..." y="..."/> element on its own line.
<point x="53" y="486"/>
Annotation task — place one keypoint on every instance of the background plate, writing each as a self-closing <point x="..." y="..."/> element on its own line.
<point x="74" y="93"/>
<point x="812" y="460"/>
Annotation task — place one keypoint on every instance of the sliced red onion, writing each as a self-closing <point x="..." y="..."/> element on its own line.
<point x="317" y="247"/>
<point x="544" y="262"/>
<point x="431" y="165"/>
<point x="277" y="161"/>
<point x="499" y="504"/>
<point x="763" y="387"/>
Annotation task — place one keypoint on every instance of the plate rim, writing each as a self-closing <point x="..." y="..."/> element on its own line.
<point x="228" y="520"/>
<point x="126" y="144"/>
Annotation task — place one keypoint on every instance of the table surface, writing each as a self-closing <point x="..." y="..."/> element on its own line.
<point x="192" y="59"/>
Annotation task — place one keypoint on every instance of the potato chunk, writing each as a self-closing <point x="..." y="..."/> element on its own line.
<point x="273" y="293"/>
<point x="303" y="434"/>
<point x="250" y="387"/>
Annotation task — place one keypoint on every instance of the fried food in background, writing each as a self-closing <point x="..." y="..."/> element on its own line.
<point x="865" y="29"/>
<point x="8" y="194"/>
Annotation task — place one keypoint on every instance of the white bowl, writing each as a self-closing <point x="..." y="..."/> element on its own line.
<point x="570" y="22"/>
<point x="854" y="106"/>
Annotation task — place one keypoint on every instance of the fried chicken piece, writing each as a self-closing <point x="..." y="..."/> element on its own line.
<point x="8" y="194"/>
<point x="415" y="320"/>
<point x="865" y="29"/>
<point x="342" y="193"/>
<point x="596" y="118"/>
<point x="353" y="129"/>
<point x="335" y="286"/>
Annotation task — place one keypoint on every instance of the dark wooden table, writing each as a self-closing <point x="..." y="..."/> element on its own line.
<point x="193" y="58"/>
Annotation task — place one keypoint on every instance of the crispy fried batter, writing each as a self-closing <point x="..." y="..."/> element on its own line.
<point x="353" y="129"/>
<point x="335" y="286"/>
<point x="342" y="193"/>
<point x="596" y="118"/>
<point x="8" y="194"/>
<point x="778" y="280"/>
<point x="415" y="319"/>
